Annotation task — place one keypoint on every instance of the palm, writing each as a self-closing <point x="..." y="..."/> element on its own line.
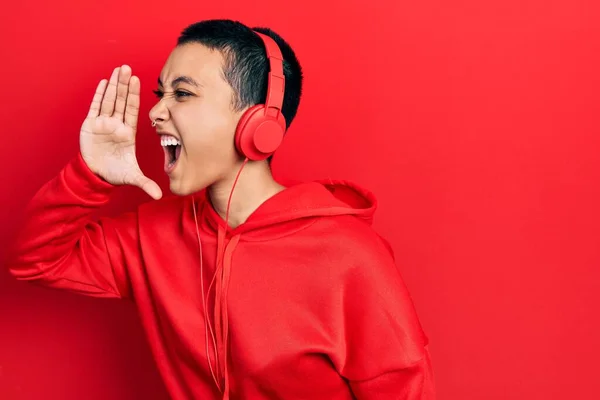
<point x="107" y="137"/>
<point x="111" y="145"/>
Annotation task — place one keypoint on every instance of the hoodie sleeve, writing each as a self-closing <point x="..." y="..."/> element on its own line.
<point x="385" y="351"/>
<point x="60" y="246"/>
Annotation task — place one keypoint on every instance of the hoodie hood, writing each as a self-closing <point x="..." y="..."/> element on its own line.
<point x="286" y="212"/>
<point x="296" y="205"/>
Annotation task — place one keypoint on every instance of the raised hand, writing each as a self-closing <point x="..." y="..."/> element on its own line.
<point x="107" y="137"/>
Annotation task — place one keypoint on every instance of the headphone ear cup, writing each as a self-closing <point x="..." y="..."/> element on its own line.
<point x="242" y="131"/>
<point x="257" y="135"/>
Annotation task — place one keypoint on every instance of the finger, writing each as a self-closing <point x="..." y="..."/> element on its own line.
<point x="95" y="106"/>
<point x="148" y="186"/>
<point x="122" y="88"/>
<point x="132" y="109"/>
<point x="108" y="102"/>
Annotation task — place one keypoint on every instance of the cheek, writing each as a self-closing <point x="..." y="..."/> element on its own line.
<point x="205" y="129"/>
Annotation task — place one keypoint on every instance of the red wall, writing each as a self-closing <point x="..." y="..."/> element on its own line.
<point x="474" y="122"/>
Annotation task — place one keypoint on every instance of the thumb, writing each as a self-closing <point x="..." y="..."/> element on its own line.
<point x="147" y="185"/>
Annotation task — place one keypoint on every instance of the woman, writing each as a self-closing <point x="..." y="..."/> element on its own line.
<point x="249" y="290"/>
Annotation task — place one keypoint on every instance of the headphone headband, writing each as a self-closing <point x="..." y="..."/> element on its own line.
<point x="276" y="78"/>
<point x="261" y="128"/>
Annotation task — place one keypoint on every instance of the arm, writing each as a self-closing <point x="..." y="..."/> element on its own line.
<point x="385" y="349"/>
<point x="60" y="246"/>
<point x="410" y="383"/>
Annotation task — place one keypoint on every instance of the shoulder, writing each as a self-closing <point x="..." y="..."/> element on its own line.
<point x="351" y="229"/>
<point x="353" y="241"/>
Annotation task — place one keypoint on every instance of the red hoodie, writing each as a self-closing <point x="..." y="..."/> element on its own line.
<point x="307" y="302"/>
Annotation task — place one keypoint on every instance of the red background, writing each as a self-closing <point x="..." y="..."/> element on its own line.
<point x="474" y="122"/>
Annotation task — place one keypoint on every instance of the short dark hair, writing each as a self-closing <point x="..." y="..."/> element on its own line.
<point x="246" y="66"/>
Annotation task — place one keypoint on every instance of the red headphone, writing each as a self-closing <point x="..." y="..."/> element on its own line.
<point x="260" y="130"/>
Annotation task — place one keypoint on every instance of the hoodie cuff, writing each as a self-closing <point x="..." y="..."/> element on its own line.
<point x="84" y="183"/>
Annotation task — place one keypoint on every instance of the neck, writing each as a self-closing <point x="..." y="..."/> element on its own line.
<point x="254" y="186"/>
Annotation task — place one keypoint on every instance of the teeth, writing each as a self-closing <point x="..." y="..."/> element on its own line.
<point x="169" y="141"/>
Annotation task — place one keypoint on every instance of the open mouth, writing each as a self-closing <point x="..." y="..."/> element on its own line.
<point x="172" y="148"/>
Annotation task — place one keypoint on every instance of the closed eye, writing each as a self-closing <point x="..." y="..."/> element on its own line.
<point x="181" y="93"/>
<point x="177" y="94"/>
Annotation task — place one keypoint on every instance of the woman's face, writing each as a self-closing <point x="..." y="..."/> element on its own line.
<point x="195" y="119"/>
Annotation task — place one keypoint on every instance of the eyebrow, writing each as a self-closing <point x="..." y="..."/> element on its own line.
<point x="181" y="79"/>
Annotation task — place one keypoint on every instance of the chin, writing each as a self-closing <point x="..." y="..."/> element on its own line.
<point x="180" y="189"/>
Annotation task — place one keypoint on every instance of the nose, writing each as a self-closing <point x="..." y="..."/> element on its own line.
<point x="159" y="113"/>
